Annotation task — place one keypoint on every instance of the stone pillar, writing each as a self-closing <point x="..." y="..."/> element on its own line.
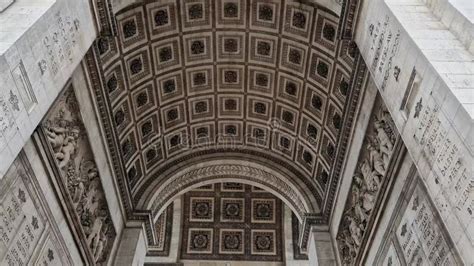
<point x="289" y="241"/>
<point x="320" y="248"/>
<point x="132" y="249"/>
<point x="174" y="248"/>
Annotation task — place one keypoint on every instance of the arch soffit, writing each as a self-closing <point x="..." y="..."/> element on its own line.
<point x="159" y="194"/>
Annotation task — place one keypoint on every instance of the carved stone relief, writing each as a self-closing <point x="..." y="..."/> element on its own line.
<point x="79" y="179"/>
<point x="368" y="183"/>
<point x="28" y="235"/>
<point x="416" y="235"/>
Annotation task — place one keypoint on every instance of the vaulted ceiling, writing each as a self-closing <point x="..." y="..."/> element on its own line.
<point x="267" y="80"/>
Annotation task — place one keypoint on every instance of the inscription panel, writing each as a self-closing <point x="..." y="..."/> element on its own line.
<point x="59" y="43"/>
<point x="451" y="179"/>
<point x="25" y="222"/>
<point x="418" y="236"/>
<point x="384" y="46"/>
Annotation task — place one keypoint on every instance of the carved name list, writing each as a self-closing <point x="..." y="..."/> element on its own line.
<point x="27" y="235"/>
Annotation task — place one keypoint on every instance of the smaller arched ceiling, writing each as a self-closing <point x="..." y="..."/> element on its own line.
<point x="258" y="78"/>
<point x="232" y="221"/>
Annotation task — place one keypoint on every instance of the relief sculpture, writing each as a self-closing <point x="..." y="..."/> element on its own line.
<point x="70" y="148"/>
<point x="367" y="182"/>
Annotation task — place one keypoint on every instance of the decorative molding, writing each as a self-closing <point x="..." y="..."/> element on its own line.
<point x="104" y="17"/>
<point x="309" y="221"/>
<point x="206" y="173"/>
<point x="298" y="253"/>
<point x="359" y="81"/>
<point x="239" y="155"/>
<point x="350" y="15"/>
<point x="163" y="228"/>
<point x="95" y="76"/>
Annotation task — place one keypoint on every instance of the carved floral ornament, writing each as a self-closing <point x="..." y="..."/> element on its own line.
<point x="70" y="149"/>
<point x="367" y="182"/>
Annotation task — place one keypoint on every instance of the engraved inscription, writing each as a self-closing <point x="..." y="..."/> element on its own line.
<point x="420" y="234"/>
<point x="59" y="43"/>
<point x="23" y="220"/>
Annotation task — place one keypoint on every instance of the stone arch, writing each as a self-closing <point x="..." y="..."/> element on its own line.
<point x="159" y="194"/>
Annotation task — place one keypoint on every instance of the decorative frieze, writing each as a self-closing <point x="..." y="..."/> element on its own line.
<point x="69" y="152"/>
<point x="368" y="183"/>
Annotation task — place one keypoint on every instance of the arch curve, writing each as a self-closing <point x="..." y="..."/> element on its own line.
<point x="159" y="194"/>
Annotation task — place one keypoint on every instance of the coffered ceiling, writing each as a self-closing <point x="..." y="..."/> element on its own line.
<point x="263" y="78"/>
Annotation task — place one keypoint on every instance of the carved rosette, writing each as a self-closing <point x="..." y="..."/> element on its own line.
<point x="78" y="177"/>
<point x="368" y="183"/>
